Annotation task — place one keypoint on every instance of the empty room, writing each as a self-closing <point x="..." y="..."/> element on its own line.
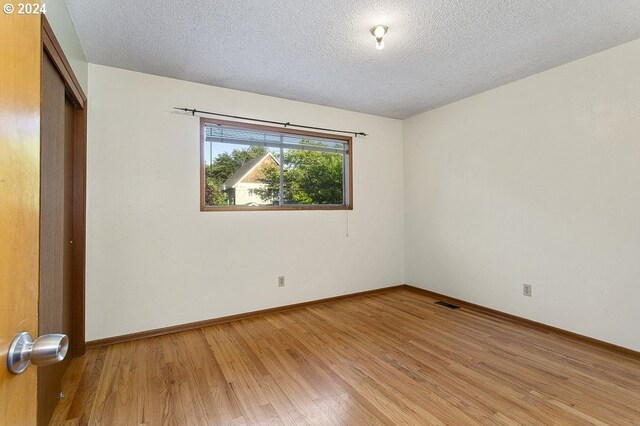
<point x="279" y="212"/>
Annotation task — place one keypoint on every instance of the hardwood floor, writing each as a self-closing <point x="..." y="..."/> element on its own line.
<point x="387" y="358"/>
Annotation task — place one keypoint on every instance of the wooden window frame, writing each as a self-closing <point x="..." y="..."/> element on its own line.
<point x="209" y="121"/>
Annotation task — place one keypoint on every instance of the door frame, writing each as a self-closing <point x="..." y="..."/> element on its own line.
<point x="52" y="48"/>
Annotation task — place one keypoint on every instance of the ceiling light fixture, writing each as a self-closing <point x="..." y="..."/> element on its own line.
<point x="378" y="32"/>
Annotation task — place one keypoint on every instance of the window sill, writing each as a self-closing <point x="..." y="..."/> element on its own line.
<point x="273" y="208"/>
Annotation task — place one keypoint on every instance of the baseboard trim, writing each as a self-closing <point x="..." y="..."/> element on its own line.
<point x="527" y="322"/>
<point x="221" y="320"/>
<point x="463" y="303"/>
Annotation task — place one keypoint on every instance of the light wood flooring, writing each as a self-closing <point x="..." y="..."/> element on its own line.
<point x="388" y="358"/>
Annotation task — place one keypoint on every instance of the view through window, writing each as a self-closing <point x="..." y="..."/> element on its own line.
<point x="258" y="167"/>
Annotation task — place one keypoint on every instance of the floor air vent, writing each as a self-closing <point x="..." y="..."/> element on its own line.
<point x="447" y="305"/>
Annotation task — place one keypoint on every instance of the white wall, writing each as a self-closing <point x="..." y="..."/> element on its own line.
<point x="58" y="16"/>
<point x="534" y="182"/>
<point x="155" y="260"/>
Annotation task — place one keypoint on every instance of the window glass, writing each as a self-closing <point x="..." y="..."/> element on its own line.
<point x="256" y="167"/>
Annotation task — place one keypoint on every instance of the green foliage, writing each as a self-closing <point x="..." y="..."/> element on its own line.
<point x="271" y="177"/>
<point x="223" y="166"/>
<point x="310" y="177"/>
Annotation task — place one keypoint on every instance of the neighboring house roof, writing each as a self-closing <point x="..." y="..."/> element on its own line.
<point x="246" y="169"/>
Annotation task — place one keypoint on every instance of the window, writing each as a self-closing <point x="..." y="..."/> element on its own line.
<point x="251" y="167"/>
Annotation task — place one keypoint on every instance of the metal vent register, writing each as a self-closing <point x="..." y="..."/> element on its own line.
<point x="447" y="305"/>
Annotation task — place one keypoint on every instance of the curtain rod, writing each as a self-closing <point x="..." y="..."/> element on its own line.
<point x="279" y="123"/>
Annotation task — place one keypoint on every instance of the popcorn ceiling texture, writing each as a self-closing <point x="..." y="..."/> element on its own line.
<point x="321" y="52"/>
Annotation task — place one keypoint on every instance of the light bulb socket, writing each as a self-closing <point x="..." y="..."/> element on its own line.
<point x="379" y="31"/>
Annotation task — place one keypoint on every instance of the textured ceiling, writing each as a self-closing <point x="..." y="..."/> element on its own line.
<point x="437" y="51"/>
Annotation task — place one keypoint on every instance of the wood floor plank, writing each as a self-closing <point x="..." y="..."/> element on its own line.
<point x="387" y="358"/>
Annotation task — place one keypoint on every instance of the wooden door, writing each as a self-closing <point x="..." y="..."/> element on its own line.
<point x="20" y="55"/>
<point x="56" y="224"/>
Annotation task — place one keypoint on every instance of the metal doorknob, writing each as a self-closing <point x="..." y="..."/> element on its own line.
<point x="45" y="350"/>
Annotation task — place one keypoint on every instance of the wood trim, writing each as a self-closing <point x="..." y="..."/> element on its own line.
<point x="77" y="344"/>
<point x="203" y="179"/>
<point x="274" y="208"/>
<point x="527" y="322"/>
<point x="204" y="208"/>
<point x="350" y="206"/>
<point x="478" y="308"/>
<point x="53" y="48"/>
<point x="221" y="320"/>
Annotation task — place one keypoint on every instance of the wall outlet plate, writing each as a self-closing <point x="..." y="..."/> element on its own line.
<point x="526" y="290"/>
<point x="281" y="281"/>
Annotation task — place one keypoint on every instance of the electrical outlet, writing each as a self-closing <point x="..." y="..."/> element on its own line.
<point x="281" y="281"/>
<point x="526" y="290"/>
